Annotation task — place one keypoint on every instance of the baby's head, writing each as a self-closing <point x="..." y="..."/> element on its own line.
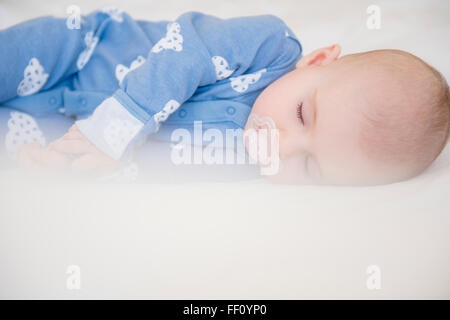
<point x="367" y="118"/>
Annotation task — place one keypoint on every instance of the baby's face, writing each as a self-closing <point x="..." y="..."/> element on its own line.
<point x="317" y="111"/>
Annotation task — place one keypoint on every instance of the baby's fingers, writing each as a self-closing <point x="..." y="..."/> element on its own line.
<point x="33" y="156"/>
<point x="75" y="146"/>
<point x="93" y="161"/>
<point x="54" y="160"/>
<point x="26" y="156"/>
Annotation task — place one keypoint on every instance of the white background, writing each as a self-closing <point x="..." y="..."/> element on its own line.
<point x="238" y="240"/>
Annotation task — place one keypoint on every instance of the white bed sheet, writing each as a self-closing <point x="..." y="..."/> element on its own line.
<point x="239" y="240"/>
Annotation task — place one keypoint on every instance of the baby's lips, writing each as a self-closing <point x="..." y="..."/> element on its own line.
<point x="257" y="122"/>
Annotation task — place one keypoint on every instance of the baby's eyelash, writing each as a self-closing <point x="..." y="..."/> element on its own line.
<point x="300" y="112"/>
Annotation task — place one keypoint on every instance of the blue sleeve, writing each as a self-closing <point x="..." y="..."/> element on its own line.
<point x="197" y="50"/>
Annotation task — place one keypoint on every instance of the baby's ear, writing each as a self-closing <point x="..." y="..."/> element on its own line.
<point x="320" y="57"/>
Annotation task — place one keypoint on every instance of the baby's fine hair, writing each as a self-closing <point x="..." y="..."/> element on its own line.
<point x="412" y="125"/>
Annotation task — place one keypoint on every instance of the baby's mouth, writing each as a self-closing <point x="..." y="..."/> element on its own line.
<point x="257" y="123"/>
<point x="259" y="144"/>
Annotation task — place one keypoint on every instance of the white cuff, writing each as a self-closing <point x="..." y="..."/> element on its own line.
<point x="110" y="128"/>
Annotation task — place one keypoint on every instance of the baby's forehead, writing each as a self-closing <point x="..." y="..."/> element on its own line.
<point x="388" y="79"/>
<point x="390" y="66"/>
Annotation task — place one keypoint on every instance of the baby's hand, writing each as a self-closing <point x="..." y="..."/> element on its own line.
<point x="87" y="156"/>
<point x="33" y="156"/>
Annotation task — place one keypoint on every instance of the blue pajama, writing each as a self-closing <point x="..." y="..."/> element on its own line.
<point x="125" y="80"/>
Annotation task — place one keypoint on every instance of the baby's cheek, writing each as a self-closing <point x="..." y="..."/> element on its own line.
<point x="287" y="173"/>
<point x="293" y="171"/>
<point x="266" y="102"/>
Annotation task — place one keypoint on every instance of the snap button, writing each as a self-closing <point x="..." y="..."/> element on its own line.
<point x="231" y="110"/>
<point x="182" y="113"/>
<point x="52" y="100"/>
<point x="83" y="101"/>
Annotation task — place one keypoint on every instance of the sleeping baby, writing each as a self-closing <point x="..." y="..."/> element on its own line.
<point x="367" y="118"/>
